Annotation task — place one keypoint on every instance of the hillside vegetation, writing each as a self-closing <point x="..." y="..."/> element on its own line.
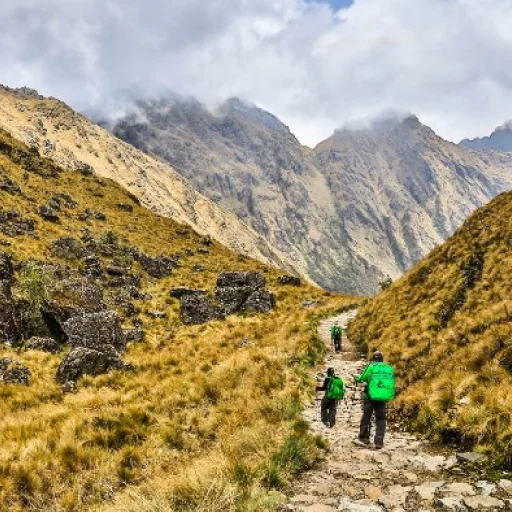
<point x="447" y="326"/>
<point x="205" y="421"/>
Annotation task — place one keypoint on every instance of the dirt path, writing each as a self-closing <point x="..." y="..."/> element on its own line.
<point x="404" y="476"/>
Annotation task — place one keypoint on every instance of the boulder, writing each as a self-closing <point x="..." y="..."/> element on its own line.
<point x="48" y="213"/>
<point x="288" y="280"/>
<point x="261" y="301"/>
<point x="125" y="207"/>
<point x="198" y="309"/>
<point x="12" y="372"/>
<point x="43" y="344"/>
<point x="157" y="267"/>
<point x="13" y="224"/>
<point x="85" y="361"/>
<point x="180" y="292"/>
<point x="98" y="331"/>
<point x="243" y="291"/>
<point x="9" y="186"/>
<point x="253" y="280"/>
<point x="68" y="247"/>
<point x="71" y="298"/>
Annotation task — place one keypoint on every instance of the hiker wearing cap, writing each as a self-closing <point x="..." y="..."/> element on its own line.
<point x="334" y="392"/>
<point x="380" y="389"/>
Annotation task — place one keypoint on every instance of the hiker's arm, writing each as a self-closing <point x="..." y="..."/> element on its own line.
<point x="365" y="376"/>
<point x="322" y="388"/>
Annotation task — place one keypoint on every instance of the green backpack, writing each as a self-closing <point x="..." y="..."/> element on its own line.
<point x="335" y="389"/>
<point x="381" y="387"/>
<point x="336" y="331"/>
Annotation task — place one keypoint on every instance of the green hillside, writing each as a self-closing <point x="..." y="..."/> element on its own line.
<point x="447" y="326"/>
<point x="206" y="413"/>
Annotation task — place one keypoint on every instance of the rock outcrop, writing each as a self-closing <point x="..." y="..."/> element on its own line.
<point x="43" y="345"/>
<point x="236" y="292"/>
<point x="12" y="372"/>
<point x="85" y="361"/>
<point x="9" y="332"/>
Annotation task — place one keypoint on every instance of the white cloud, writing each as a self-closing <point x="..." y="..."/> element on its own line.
<point x="445" y="60"/>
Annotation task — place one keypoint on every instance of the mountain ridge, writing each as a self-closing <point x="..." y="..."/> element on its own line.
<point x="73" y="141"/>
<point x="361" y="205"/>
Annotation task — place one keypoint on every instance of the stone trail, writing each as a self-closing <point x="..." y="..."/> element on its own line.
<point x="405" y="476"/>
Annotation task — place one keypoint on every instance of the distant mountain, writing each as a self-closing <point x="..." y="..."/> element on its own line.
<point x="500" y="139"/>
<point x="363" y="204"/>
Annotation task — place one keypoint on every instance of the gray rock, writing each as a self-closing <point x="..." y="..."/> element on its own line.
<point x="157" y="315"/>
<point x="451" y="504"/>
<point x="68" y="247"/>
<point x="74" y="297"/>
<point x="198" y="309"/>
<point x="485" y="488"/>
<point x="288" y="280"/>
<point x="261" y="301"/>
<point x="10" y="186"/>
<point x="427" y="491"/>
<point x="9" y="331"/>
<point x="12" y="223"/>
<point x="471" y="457"/>
<point x="483" y="503"/>
<point x="180" y="292"/>
<point x="43" y="344"/>
<point x="458" y="489"/>
<point x="84" y="361"/>
<point x="347" y="505"/>
<point x="506" y="486"/>
<point x="96" y="331"/>
<point x="252" y="280"/>
<point x="125" y="207"/>
<point x="48" y="213"/>
<point x="157" y="267"/>
<point x="12" y="372"/>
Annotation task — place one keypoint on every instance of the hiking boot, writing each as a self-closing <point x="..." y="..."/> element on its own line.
<point x="379" y="446"/>
<point x="361" y="442"/>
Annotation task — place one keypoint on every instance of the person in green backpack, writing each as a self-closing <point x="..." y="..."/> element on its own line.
<point x="334" y="392"/>
<point x="336" y="334"/>
<point x="380" y="389"/>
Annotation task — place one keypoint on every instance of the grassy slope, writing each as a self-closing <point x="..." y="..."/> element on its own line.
<point x="202" y="420"/>
<point x="447" y="325"/>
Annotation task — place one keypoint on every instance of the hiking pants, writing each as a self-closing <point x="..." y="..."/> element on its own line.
<point x="328" y="411"/>
<point x="337" y="343"/>
<point x="369" y="406"/>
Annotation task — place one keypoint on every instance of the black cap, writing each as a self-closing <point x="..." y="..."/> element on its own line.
<point x="330" y="371"/>
<point x="378" y="357"/>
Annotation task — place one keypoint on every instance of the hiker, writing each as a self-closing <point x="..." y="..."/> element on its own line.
<point x="334" y="391"/>
<point x="336" y="334"/>
<point x="380" y="389"/>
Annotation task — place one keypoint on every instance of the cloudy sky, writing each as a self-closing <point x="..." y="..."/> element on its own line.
<point x="316" y="64"/>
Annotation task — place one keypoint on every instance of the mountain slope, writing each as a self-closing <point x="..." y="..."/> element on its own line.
<point x="499" y="140"/>
<point x="362" y="205"/>
<point x="447" y="327"/>
<point x="201" y="406"/>
<point x="74" y="142"/>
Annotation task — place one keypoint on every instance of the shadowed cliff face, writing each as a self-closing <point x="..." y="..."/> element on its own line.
<point x="363" y="204"/>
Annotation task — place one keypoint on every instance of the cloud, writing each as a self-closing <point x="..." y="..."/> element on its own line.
<point x="315" y="66"/>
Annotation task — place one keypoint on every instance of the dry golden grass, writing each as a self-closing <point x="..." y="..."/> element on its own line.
<point x="204" y="424"/>
<point x="447" y="325"/>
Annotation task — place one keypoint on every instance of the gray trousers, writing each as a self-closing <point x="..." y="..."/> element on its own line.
<point x="380" y="409"/>
<point x="328" y="411"/>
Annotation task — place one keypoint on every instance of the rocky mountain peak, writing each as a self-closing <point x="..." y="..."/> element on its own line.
<point x="499" y="140"/>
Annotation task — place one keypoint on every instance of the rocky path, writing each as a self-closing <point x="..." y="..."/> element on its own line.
<point x="405" y="476"/>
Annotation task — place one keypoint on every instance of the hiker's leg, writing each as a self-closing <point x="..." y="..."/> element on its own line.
<point x="366" y="421"/>
<point x="324" y="409"/>
<point x="332" y="412"/>
<point x="380" y="417"/>
<point x="338" y="345"/>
